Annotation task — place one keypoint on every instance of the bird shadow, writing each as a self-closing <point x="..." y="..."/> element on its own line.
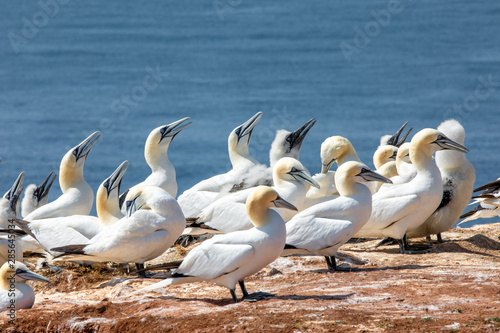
<point x="369" y="269"/>
<point x="478" y="241"/>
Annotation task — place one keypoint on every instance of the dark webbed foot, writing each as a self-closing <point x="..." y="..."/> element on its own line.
<point x="331" y="263"/>
<point x="140" y="270"/>
<point x="406" y="248"/>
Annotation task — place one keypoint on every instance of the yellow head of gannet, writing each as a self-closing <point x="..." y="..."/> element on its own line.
<point x="107" y="197"/>
<point x="259" y="202"/>
<point x="290" y="169"/>
<point x="15" y="294"/>
<point x="239" y="140"/>
<point x="336" y="149"/>
<point x="351" y="173"/>
<point x="384" y="154"/>
<point x="71" y="168"/>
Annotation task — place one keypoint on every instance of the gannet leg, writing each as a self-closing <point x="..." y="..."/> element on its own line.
<point x="243" y="289"/>
<point x="140" y="267"/>
<point x="330" y="262"/>
<point x="233" y="294"/>
<point x="405" y="248"/>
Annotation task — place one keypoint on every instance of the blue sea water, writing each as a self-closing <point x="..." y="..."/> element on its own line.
<point x="361" y="68"/>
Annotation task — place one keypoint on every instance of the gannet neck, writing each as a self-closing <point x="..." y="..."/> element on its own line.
<point x="70" y="172"/>
<point x="345" y="180"/>
<point x="384" y="154"/>
<point x="155" y="151"/>
<point x="258" y="203"/>
<point x="238" y="152"/>
<point x="108" y="208"/>
<point x="280" y="148"/>
<point x="421" y="150"/>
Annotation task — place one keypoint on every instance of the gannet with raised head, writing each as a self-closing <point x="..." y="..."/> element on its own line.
<point x="228" y="213"/>
<point x="77" y="197"/>
<point x="399" y="209"/>
<point x="323" y="228"/>
<point x="488" y="203"/>
<point x="155" y="153"/>
<point x="15" y="294"/>
<point x="395" y="140"/>
<point x="153" y="223"/>
<point x="9" y="203"/>
<point x="77" y="229"/>
<point x="458" y="176"/>
<point x="36" y="196"/>
<point x="228" y="259"/>
<point x="207" y="191"/>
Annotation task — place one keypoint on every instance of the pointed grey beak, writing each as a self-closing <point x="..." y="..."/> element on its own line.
<point x="370" y="175"/>
<point x="326" y="167"/>
<point x="14" y="193"/>
<point x="171" y="130"/>
<point x="394" y="139"/>
<point x="303" y="176"/>
<point x="403" y="139"/>
<point x="43" y="190"/>
<point x="247" y="127"/>
<point x="29" y="275"/>
<point x="116" y="177"/>
<point x="445" y="143"/>
<point x="296" y="137"/>
<point x="281" y="203"/>
<point x="82" y="150"/>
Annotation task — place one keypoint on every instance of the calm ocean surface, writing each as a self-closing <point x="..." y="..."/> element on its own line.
<point x="361" y="68"/>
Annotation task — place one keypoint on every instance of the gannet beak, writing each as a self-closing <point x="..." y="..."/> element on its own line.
<point x="296" y="137"/>
<point x="394" y="139"/>
<point x="279" y="202"/>
<point x="14" y="193"/>
<point x="116" y="177"/>
<point x="326" y="167"/>
<point x="171" y="130"/>
<point x="82" y="150"/>
<point x="403" y="139"/>
<point x="29" y="275"/>
<point x="247" y="127"/>
<point x="446" y="143"/>
<point x="43" y="190"/>
<point x="302" y="175"/>
<point x="370" y="175"/>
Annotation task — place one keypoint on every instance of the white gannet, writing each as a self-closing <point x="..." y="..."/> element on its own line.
<point x="228" y="213"/>
<point x="384" y="160"/>
<point x="406" y="170"/>
<point x="153" y="223"/>
<point x="15" y="294"/>
<point x="398" y="209"/>
<point x="337" y="149"/>
<point x="77" y="229"/>
<point x="156" y="155"/>
<point x="228" y="259"/>
<point x="9" y="203"/>
<point x="323" y="228"/>
<point x="77" y="197"/>
<point x="458" y="176"/>
<point x="488" y="202"/>
<point x="36" y="196"/>
<point x="207" y="191"/>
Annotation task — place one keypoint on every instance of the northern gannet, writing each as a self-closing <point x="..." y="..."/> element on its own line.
<point x="155" y="153"/>
<point x="458" y="176"/>
<point x="153" y="223"/>
<point x="228" y="213"/>
<point x="9" y="203"/>
<point x="15" y="294"/>
<point x="398" y="209"/>
<point x="77" y="197"/>
<point x="36" y="196"/>
<point x="406" y="170"/>
<point x="207" y="191"/>
<point x="384" y="160"/>
<point x="228" y="259"/>
<point x="488" y="202"/>
<point x="337" y="149"/>
<point x="323" y="228"/>
<point x="77" y="229"/>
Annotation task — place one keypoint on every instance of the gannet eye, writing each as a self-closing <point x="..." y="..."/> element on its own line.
<point x="294" y="169"/>
<point x="106" y="184"/>
<point x="129" y="203"/>
<point x="163" y="130"/>
<point x="238" y="131"/>
<point x="75" y="152"/>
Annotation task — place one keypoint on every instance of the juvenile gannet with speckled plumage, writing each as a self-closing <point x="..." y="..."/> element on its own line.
<point x="36" y="196"/>
<point x="458" y="176"/>
<point x="399" y="209"/>
<point x="77" y="197"/>
<point x="228" y="259"/>
<point x="323" y="228"/>
<point x="14" y="292"/>
<point x="155" y="153"/>
<point x="77" y="229"/>
<point x="153" y="223"/>
<point x="207" y="191"/>
<point x="228" y="213"/>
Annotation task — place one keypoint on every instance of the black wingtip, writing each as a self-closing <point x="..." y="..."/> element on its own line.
<point x="70" y="249"/>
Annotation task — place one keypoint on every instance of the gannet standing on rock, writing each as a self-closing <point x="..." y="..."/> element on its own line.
<point x="36" y="196"/>
<point x="458" y="176"/>
<point x="323" y="228"/>
<point x="77" y="197"/>
<point x="207" y="191"/>
<point x="77" y="229"/>
<point x="399" y="209"/>
<point x="13" y="276"/>
<point x="228" y="213"/>
<point x="153" y="223"/>
<point x="155" y="153"/>
<point x="228" y="259"/>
